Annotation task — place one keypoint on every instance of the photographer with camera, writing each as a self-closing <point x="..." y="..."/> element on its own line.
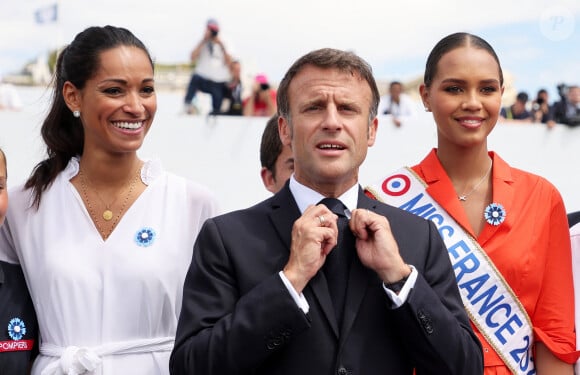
<point x="541" y="107"/>
<point x="212" y="69"/>
<point x="262" y="101"/>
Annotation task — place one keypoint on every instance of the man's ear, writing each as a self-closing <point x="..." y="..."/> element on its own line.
<point x="71" y="96"/>
<point x="285" y="131"/>
<point x="268" y="180"/>
<point x="372" y="132"/>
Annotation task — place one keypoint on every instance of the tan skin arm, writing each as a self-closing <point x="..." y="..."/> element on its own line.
<point x="548" y="364"/>
<point x="197" y="50"/>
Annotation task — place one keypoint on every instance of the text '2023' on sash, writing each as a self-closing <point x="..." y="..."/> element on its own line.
<point x="491" y="304"/>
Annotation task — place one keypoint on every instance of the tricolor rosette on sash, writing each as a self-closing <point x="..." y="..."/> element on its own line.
<point x="490" y="303"/>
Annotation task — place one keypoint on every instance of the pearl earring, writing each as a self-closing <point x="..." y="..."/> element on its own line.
<point x="77" y="114"/>
<point x="427" y="109"/>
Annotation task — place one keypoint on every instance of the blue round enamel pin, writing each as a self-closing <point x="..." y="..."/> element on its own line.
<point x="145" y="237"/>
<point x="494" y="214"/>
<point x="16" y="329"/>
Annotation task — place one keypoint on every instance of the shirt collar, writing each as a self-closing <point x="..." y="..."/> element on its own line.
<point x="305" y="196"/>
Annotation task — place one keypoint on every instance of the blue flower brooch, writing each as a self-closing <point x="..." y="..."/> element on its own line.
<point x="16" y="329"/>
<point x="145" y="237"/>
<point x="494" y="214"/>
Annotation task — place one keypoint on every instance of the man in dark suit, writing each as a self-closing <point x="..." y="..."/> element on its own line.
<point x="567" y="110"/>
<point x="262" y="296"/>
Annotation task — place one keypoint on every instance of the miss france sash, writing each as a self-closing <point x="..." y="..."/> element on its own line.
<point x="490" y="303"/>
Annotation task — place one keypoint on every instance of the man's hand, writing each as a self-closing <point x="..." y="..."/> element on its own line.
<point x="207" y="36"/>
<point x="376" y="246"/>
<point x="314" y="235"/>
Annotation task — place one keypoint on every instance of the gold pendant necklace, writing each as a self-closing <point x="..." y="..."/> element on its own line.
<point x="107" y="213"/>
<point x="463" y="197"/>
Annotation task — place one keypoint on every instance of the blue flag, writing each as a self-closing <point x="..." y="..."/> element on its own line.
<point x="47" y="14"/>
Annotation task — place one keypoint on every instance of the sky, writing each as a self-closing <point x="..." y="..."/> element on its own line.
<point x="536" y="40"/>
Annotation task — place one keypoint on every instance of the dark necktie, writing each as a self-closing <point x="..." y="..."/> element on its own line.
<point x="337" y="264"/>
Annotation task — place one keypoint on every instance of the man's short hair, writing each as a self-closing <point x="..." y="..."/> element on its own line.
<point x="271" y="146"/>
<point x="522" y="97"/>
<point x="328" y="58"/>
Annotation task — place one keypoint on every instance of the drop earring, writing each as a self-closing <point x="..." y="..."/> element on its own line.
<point x="77" y="114"/>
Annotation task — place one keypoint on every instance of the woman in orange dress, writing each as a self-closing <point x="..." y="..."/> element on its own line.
<point x="516" y="217"/>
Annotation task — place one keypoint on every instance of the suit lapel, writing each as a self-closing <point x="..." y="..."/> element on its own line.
<point x="284" y="212"/>
<point x="319" y="288"/>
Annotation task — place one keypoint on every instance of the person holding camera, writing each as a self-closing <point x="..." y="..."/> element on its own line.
<point x="212" y="69"/>
<point x="262" y="101"/>
<point x="541" y="107"/>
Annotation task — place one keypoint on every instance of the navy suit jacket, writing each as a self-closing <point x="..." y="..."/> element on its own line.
<point x="238" y="317"/>
<point x="573" y="218"/>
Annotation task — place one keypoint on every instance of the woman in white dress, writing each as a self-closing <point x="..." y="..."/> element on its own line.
<point x="103" y="237"/>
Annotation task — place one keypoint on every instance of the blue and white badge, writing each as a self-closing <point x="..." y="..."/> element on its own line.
<point x="145" y="237"/>
<point x="494" y="214"/>
<point x="16" y="329"/>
